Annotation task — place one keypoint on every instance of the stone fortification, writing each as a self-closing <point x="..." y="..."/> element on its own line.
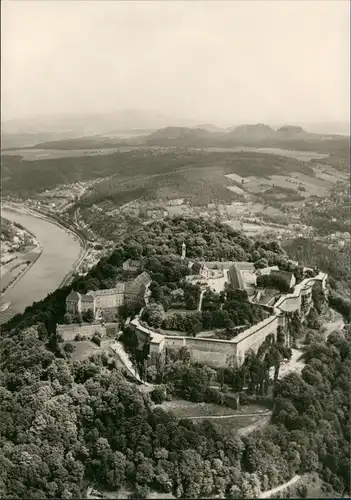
<point x="216" y="352"/>
<point x="213" y="352"/>
<point x="69" y="332"/>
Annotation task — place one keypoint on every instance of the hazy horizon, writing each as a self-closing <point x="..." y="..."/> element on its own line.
<point x="209" y="62"/>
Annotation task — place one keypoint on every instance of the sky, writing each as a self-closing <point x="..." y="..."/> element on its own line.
<point x="216" y="61"/>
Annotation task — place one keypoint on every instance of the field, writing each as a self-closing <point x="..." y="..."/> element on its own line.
<point x="186" y="409"/>
<point x="295" y="154"/>
<point x="303" y="184"/>
<point x="125" y="493"/>
<point x="243" y="425"/>
<point x="83" y="350"/>
<point x="279" y="186"/>
<point x="244" y="420"/>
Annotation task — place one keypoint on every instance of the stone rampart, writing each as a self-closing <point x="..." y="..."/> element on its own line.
<point x="216" y="352"/>
<point x="213" y="352"/>
<point x="69" y="332"/>
<point x="292" y="301"/>
<point x="254" y="336"/>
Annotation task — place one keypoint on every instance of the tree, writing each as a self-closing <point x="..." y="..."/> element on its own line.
<point x="77" y="318"/>
<point x="190" y="303"/>
<point x="261" y="263"/>
<point x="68" y="318"/>
<point x="88" y="316"/>
<point x="144" y="473"/>
<point x="154" y="315"/>
<point x="158" y="395"/>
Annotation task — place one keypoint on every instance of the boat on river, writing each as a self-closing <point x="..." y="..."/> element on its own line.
<point x="4" y="307"/>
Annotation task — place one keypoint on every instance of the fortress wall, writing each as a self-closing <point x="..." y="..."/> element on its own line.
<point x="217" y="353"/>
<point x="69" y="332"/>
<point x="175" y="342"/>
<point x="210" y="345"/>
<point x="256" y="338"/>
<point x="212" y="352"/>
<point x="213" y="359"/>
<point x="292" y="301"/>
<point x="290" y="304"/>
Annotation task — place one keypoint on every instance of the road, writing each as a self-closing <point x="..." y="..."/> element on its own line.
<point x="205" y="417"/>
<point x="269" y="493"/>
<point x="334" y="325"/>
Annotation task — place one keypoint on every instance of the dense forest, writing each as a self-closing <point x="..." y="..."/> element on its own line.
<point x="65" y="425"/>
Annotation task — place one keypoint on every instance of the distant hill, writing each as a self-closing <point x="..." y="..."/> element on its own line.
<point x="253" y="135"/>
<point x="257" y="132"/>
<point x="211" y="128"/>
<point x="179" y="136"/>
<point x="291" y="131"/>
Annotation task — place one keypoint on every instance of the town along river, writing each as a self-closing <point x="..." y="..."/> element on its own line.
<point x="60" y="251"/>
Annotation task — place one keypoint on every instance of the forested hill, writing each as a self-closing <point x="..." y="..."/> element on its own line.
<point x="65" y="425"/>
<point x="205" y="240"/>
<point x="141" y="169"/>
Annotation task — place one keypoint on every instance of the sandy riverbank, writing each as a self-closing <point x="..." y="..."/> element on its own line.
<point x="61" y="251"/>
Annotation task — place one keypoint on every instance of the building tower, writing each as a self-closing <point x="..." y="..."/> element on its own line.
<point x="183" y="251"/>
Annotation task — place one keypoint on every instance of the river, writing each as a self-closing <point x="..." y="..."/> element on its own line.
<point x="60" y="251"/>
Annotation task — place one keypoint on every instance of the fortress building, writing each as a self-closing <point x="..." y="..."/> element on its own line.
<point x="79" y="303"/>
<point x="105" y="303"/>
<point x="217" y="352"/>
<point x="131" y="266"/>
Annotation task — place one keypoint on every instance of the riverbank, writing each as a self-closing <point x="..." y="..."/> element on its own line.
<point x="62" y="250"/>
<point x="82" y="240"/>
<point x="37" y="252"/>
<point x="53" y="220"/>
